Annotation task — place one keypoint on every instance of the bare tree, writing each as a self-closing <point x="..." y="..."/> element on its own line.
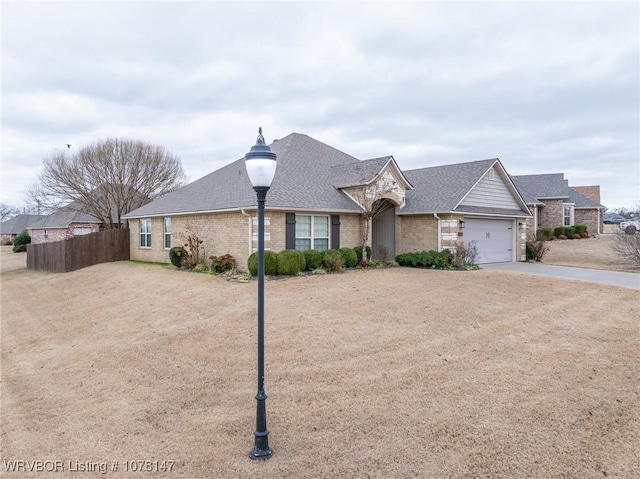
<point x="627" y="246"/>
<point x="7" y="212"/>
<point x="374" y="199"/>
<point x="107" y="179"/>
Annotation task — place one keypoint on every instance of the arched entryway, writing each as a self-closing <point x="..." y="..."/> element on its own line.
<point x="383" y="235"/>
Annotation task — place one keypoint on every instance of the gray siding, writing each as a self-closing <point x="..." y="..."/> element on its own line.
<point x="491" y="192"/>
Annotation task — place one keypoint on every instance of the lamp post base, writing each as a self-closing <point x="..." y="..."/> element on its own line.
<point x="261" y="454"/>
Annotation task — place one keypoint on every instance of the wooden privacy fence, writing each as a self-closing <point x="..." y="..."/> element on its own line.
<point x="79" y="251"/>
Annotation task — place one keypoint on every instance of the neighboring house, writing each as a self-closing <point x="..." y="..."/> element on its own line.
<point x="554" y="203"/>
<point x="64" y="223"/>
<point x="316" y="201"/>
<point x="14" y="226"/>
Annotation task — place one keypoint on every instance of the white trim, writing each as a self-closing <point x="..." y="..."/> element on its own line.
<point x="240" y="209"/>
<point x="435" y="215"/>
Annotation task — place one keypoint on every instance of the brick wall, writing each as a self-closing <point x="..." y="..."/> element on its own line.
<point x="50" y="235"/>
<point x="592" y="191"/>
<point x="416" y="233"/>
<point x="551" y="214"/>
<point x="589" y="218"/>
<point x="223" y="233"/>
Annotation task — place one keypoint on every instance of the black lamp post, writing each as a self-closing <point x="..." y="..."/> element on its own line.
<point x="261" y="168"/>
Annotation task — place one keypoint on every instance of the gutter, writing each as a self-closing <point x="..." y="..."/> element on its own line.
<point x="250" y="230"/>
<point x="435" y="215"/>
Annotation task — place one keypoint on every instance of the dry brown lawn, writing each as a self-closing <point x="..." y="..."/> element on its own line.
<point x="385" y="373"/>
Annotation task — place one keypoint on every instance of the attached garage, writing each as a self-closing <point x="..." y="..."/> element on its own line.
<point x="494" y="239"/>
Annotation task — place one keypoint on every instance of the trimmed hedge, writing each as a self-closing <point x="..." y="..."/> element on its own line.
<point x="270" y="263"/>
<point x="427" y="259"/>
<point x="332" y="260"/>
<point x="290" y="262"/>
<point x="544" y="234"/>
<point x="558" y="231"/>
<point x="349" y="257"/>
<point x="569" y="231"/>
<point x="313" y="259"/>
<point x="358" y="250"/>
<point x="580" y="229"/>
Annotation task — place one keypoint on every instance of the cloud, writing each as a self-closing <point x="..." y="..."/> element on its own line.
<point x="543" y="86"/>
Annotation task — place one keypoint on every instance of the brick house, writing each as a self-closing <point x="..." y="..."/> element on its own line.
<point x="316" y="201"/>
<point x="62" y="224"/>
<point x="12" y="227"/>
<point x="554" y="203"/>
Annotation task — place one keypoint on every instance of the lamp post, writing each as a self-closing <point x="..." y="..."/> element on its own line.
<point x="261" y="168"/>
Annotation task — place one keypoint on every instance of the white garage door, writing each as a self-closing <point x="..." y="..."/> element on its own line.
<point x="494" y="239"/>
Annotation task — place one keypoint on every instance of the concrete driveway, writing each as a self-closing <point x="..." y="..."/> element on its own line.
<point x="615" y="278"/>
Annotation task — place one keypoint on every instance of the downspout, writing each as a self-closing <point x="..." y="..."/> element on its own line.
<point x="435" y="215"/>
<point x="250" y="230"/>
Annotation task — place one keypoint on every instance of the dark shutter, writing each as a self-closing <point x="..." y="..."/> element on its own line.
<point x="335" y="231"/>
<point x="290" y="235"/>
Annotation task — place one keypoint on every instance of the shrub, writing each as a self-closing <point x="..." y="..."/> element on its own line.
<point x="407" y="259"/>
<point x="21" y="241"/>
<point x="290" y="262"/>
<point x="201" y="268"/>
<point x="465" y="255"/>
<point x="630" y="230"/>
<point x="544" y="234"/>
<point x="536" y="250"/>
<point x="178" y="255"/>
<point x="313" y="259"/>
<point x="220" y="264"/>
<point x="332" y="260"/>
<point x="627" y="247"/>
<point x="358" y="250"/>
<point x="443" y="260"/>
<point x="580" y="229"/>
<point x="562" y="237"/>
<point x="557" y="232"/>
<point x="349" y="257"/>
<point x="270" y="263"/>
<point x="569" y="232"/>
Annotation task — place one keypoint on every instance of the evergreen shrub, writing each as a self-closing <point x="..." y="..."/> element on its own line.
<point x="270" y="263"/>
<point x="290" y="262"/>
<point x="349" y="257"/>
<point x="313" y="259"/>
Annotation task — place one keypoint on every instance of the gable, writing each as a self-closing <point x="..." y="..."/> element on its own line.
<point x="491" y="192"/>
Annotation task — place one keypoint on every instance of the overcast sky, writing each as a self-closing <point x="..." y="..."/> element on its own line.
<point x="545" y="87"/>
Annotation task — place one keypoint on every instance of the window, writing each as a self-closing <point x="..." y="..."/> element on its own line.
<point x="167" y="233"/>
<point x="77" y="231"/>
<point x="145" y="233"/>
<point x="312" y="232"/>
<point x="568" y="215"/>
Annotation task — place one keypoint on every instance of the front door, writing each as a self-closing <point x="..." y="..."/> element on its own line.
<point x="383" y="238"/>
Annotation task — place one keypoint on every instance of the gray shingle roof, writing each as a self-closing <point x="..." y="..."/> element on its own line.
<point x="536" y="188"/>
<point x="18" y="224"/>
<point x="359" y="172"/>
<point x="63" y="218"/>
<point x="440" y="188"/>
<point x="304" y="180"/>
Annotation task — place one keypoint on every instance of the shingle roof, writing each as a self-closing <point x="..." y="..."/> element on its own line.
<point x="536" y="188"/>
<point x="18" y="224"/>
<point x="304" y="180"/>
<point x="441" y="188"/>
<point x="359" y="172"/>
<point x="63" y="218"/>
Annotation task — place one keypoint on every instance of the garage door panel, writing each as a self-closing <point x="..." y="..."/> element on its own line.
<point x="494" y="239"/>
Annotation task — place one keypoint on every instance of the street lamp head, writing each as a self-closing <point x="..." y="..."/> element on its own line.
<point x="260" y="163"/>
